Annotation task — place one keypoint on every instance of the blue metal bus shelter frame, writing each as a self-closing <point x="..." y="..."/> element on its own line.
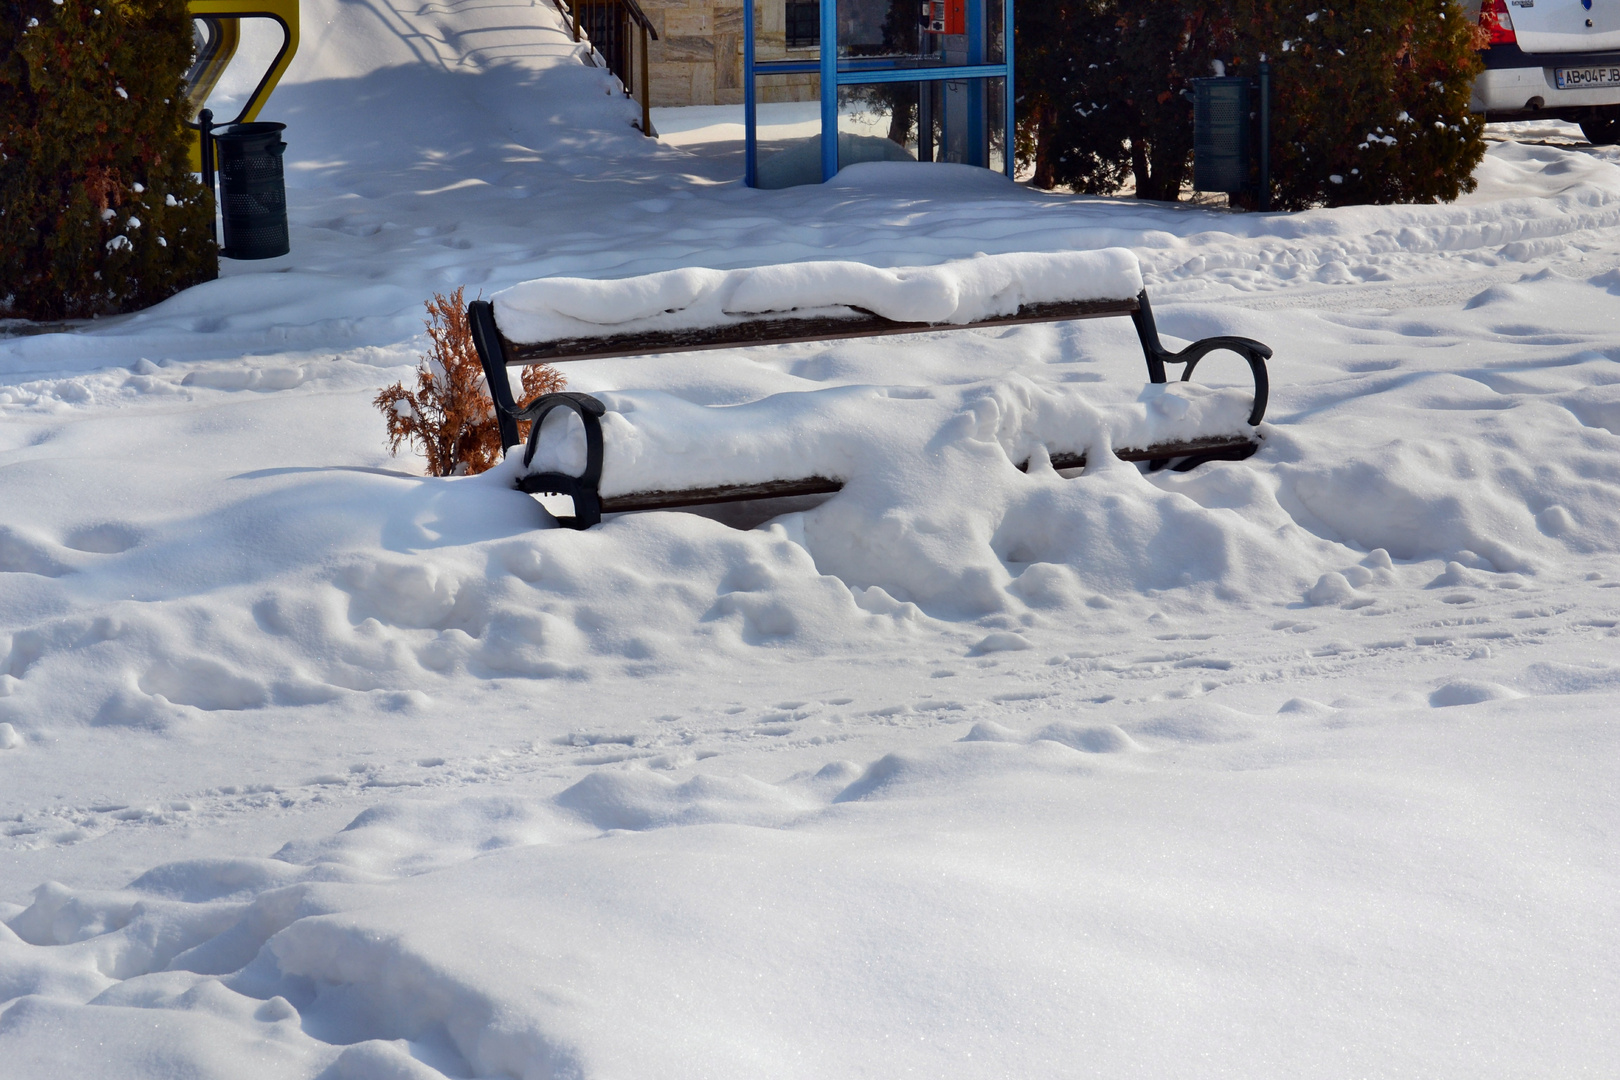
<point x="861" y="71"/>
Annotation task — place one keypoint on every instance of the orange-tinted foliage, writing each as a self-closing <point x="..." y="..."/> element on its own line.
<point x="449" y="415"/>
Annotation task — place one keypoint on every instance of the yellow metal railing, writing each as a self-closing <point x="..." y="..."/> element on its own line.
<point x="222" y="21"/>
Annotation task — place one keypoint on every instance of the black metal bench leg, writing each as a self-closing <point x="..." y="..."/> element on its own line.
<point x="492" y="354"/>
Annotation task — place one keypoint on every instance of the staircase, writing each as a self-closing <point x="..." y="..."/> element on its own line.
<point x="619" y="31"/>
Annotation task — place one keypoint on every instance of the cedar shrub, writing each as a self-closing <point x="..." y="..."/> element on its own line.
<point x="449" y="416"/>
<point x="99" y="212"/>
<point x="1370" y="97"/>
<point x="1102" y="84"/>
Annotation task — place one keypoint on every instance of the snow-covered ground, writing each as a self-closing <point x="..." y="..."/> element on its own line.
<point x="1302" y="766"/>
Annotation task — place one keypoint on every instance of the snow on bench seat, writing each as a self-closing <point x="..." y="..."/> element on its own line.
<point x="657" y="444"/>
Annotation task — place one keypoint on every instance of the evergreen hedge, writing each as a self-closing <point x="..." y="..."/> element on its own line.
<point x="1100" y="84"/>
<point x="1370" y="97"/>
<point x="99" y="212"/>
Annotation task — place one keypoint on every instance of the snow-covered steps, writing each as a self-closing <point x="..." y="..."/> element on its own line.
<point x="620" y="452"/>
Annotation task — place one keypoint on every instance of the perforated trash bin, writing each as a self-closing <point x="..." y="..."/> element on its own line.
<point x="1222" y="147"/>
<point x="252" y="190"/>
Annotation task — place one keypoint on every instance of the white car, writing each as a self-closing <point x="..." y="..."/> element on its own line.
<point x="1552" y="60"/>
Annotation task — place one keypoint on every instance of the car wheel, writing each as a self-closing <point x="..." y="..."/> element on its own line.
<point x="1602" y="129"/>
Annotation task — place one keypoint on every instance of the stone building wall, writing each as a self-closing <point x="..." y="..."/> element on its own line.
<point x="698" y="57"/>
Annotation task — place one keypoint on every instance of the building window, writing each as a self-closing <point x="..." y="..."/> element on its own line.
<point x="803" y="24"/>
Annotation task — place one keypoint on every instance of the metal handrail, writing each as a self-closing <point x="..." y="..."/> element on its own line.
<point x="639" y="17"/>
<point x="631" y="10"/>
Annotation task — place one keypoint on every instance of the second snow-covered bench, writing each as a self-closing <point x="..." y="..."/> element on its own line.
<point x="687" y="455"/>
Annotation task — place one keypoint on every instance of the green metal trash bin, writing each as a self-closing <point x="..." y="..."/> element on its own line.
<point x="252" y="190"/>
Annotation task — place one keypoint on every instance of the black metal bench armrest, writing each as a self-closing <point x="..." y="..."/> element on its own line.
<point x="1255" y="352"/>
<point x="582" y="488"/>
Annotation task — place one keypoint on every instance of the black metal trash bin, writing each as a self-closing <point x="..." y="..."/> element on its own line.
<point x="1222" y="147"/>
<point x="252" y="190"/>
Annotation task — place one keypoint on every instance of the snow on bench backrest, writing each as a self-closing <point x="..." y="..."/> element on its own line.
<point x="952" y="293"/>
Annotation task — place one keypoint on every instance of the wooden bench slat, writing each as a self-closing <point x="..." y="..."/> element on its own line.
<point x="787" y="331"/>
<point x="1215" y="447"/>
<point x="775" y="489"/>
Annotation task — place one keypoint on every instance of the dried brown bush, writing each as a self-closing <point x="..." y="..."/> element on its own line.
<point x="450" y="416"/>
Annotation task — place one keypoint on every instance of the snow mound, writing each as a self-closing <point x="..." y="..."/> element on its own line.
<point x="1090" y="738"/>
<point x="645" y="800"/>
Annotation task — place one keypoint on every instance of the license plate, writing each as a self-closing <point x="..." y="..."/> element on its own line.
<point x="1580" y="78"/>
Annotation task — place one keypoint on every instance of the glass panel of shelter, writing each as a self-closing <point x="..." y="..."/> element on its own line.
<point x="787" y="143"/>
<point x="233" y="54"/>
<point x="927" y="78"/>
<point x="923" y="121"/>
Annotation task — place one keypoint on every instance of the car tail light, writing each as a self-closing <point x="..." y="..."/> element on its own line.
<point x="1494" y="17"/>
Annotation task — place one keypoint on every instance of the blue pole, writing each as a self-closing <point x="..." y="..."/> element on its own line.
<point x="1008" y="150"/>
<point x="829" y="89"/>
<point x="977" y="103"/>
<point x="750" y="139"/>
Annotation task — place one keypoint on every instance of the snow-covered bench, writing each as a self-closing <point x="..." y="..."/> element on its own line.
<point x="679" y="454"/>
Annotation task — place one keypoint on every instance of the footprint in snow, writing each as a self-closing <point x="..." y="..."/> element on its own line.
<point x="1470" y="692"/>
<point x="108" y="538"/>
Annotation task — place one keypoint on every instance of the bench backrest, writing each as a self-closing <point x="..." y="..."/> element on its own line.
<point x="857" y="324"/>
<point x="561" y="319"/>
